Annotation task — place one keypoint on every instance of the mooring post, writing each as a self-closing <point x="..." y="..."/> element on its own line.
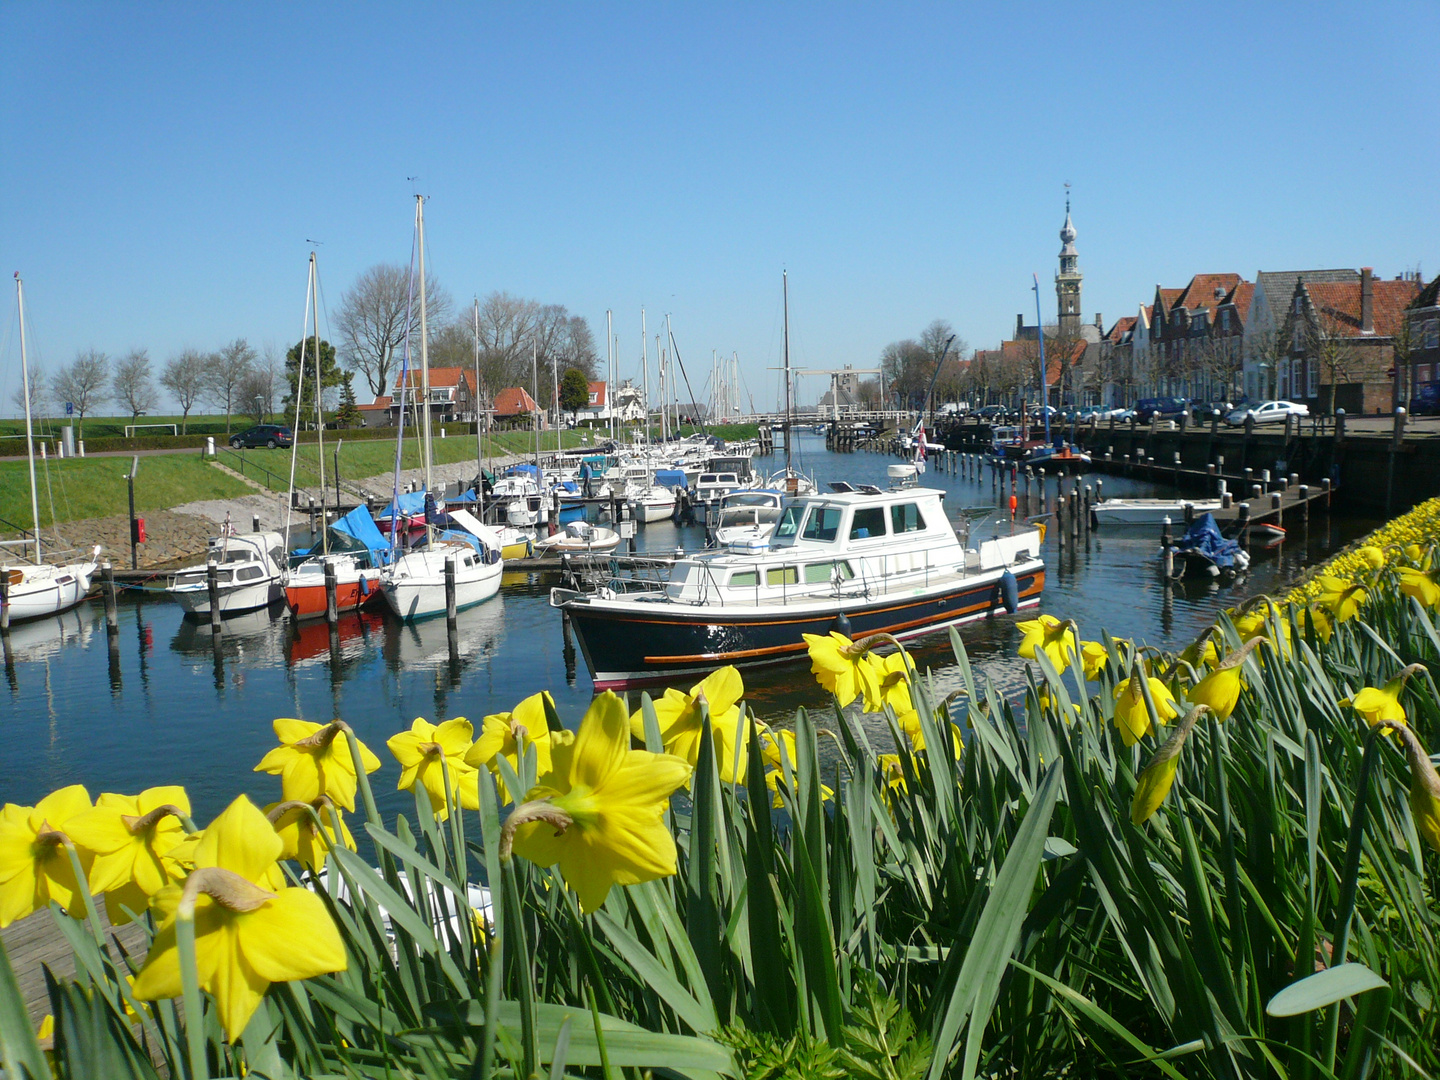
<point x="332" y="608"/>
<point x="1304" y="493"/>
<point x="212" y="582"/>
<point x="1167" y="549"/>
<point x="1224" y="500"/>
<point x="1075" y="509"/>
<point x="1243" y="533"/>
<point x="450" y="590"/>
<point x="5" y="600"/>
<point x="107" y="592"/>
<point x="254" y="522"/>
<point x="1277" y="504"/>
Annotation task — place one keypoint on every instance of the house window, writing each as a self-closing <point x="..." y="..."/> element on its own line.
<point x="593" y="396"/>
<point x="1312" y="379"/>
<point x="1432" y="334"/>
<point x="1422" y="373"/>
<point x="1224" y="320"/>
<point x="1282" y="379"/>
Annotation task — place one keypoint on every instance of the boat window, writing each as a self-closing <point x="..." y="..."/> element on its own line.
<point x="905" y="517"/>
<point x="868" y="522"/>
<point x="781" y="575"/>
<point x="820" y="572"/>
<point x="822" y="524"/>
<point x="250" y="573"/>
<point x="789" y="524"/>
<point x="744" y="577"/>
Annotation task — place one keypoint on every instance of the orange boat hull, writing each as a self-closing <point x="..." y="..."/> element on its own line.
<point x="308" y="601"/>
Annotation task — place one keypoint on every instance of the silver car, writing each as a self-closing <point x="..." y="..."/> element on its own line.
<point x="1267" y="412"/>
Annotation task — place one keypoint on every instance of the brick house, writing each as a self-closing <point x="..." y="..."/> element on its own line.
<point x="1338" y="341"/>
<point x="1424" y="325"/>
<point x="1196" y="334"/>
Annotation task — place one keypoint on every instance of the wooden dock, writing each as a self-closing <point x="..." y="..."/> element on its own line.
<point x="35" y="943"/>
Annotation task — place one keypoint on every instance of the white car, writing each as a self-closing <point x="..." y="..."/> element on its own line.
<point x="1267" y="412"/>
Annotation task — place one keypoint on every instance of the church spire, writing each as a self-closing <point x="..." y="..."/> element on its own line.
<point x="1067" y="281"/>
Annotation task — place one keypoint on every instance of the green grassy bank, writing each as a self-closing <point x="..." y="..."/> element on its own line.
<point x="80" y="488"/>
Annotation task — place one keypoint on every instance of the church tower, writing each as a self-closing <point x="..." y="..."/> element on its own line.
<point x="1067" y="281"/>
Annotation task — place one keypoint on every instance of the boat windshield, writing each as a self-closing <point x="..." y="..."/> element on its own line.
<point x="789" y="526"/>
<point x="749" y="499"/>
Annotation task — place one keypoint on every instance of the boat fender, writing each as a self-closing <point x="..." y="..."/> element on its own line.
<point x="364" y="585"/>
<point x="842" y="625"/>
<point x="1009" y="592"/>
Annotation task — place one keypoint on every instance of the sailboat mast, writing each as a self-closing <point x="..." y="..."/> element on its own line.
<point x="645" y="374"/>
<point x="535" y="393"/>
<point x="29" y="430"/>
<point x="319" y="406"/>
<point x="1040" y="335"/>
<point x="479" y="436"/>
<point x="555" y="381"/>
<point x="610" y="370"/>
<point x="785" y="294"/>
<point x="424" y="344"/>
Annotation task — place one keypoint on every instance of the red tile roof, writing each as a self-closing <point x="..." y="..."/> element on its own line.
<point x="381" y="402"/>
<point x="514" y="401"/>
<point x="597" y="389"/>
<point x="1120" y="329"/>
<point x="1201" y="292"/>
<point x="1241" y="296"/>
<point x="1341" y="301"/>
<point x="443" y="377"/>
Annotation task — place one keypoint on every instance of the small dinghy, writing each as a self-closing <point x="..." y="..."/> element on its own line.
<point x="1203" y="552"/>
<point x="579" y="536"/>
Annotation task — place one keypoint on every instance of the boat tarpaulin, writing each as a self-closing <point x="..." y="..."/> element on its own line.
<point x="467" y="521"/>
<point x="523" y="469"/>
<point x="670" y="478"/>
<point x="411" y="502"/>
<point x="1204" y="537"/>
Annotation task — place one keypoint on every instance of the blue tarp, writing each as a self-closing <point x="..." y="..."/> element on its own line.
<point x="359" y="524"/>
<point x="522" y="469"/>
<point x="411" y="502"/>
<point x="1204" y="537"/>
<point x="670" y="478"/>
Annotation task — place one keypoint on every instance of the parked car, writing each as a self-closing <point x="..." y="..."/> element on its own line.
<point x="1167" y="408"/>
<point x="271" y="435"/>
<point x="1203" y="409"/>
<point x="1117" y="414"/>
<point x="1267" y="412"/>
<point x="990" y="412"/>
<point x="1426" y="400"/>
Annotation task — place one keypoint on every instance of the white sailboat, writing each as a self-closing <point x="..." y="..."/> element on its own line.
<point x="35" y="590"/>
<point x="789" y="479"/>
<point x="414" y="586"/>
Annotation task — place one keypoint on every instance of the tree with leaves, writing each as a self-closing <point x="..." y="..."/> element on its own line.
<point x="348" y="415"/>
<point x="133" y="385"/>
<point x="184" y="376"/>
<point x="225" y="371"/>
<point x="574" y="391"/>
<point x="84" y="383"/>
<point x="330" y="375"/>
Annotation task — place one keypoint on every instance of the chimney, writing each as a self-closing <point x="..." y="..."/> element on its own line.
<point x="1019" y="327"/>
<point x="1367" y="300"/>
<point x="1099" y="322"/>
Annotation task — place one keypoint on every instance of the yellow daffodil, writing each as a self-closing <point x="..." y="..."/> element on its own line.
<point x="892" y="772"/>
<point x="839" y="665"/>
<point x="34" y="861"/>
<point x="680" y="720"/>
<point x="1382" y="705"/>
<point x="1158" y="776"/>
<point x="600" y="813"/>
<point x="314" y="760"/>
<point x="1420" y="585"/>
<point x="1094" y="656"/>
<point x="301" y="837"/>
<point x="427" y="752"/>
<point x="1372" y="556"/>
<point x="1320" y="617"/>
<point x="1202" y="651"/>
<point x="250" y="930"/>
<point x="1340" y="597"/>
<point x="1053" y="636"/>
<point x="1131" y="715"/>
<point x="129" y="836"/>
<point x="917" y="741"/>
<point x="775" y="783"/>
<point x="771" y="742"/>
<point x="1220" y="690"/>
<point x="1424" y="789"/>
<point x="500" y="735"/>
<point x="893" y="674"/>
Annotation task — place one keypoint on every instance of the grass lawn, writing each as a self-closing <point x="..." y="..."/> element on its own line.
<point x="95" y="487"/>
<point x="101" y="427"/>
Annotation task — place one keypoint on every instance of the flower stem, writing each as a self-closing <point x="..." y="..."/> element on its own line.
<point x="372" y="814"/>
<point x="190" y="985"/>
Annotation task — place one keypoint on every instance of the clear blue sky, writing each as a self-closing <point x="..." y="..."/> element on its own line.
<point x="165" y="164"/>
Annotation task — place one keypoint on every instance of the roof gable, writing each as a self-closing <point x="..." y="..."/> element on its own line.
<point x="513" y="401"/>
<point x="1339" y="302"/>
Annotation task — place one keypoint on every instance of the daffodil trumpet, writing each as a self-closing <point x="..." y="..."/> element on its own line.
<point x="1158" y="775"/>
<point x="1424" y="786"/>
<point x="535" y="810"/>
<point x="1220" y="690"/>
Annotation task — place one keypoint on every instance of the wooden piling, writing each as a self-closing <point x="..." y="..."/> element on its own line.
<point x="1243" y="533"/>
<point x="332" y="608"/>
<point x="107" y="593"/>
<point x="212" y="582"/>
<point x="5" y="600"/>
<point x="450" y="590"/>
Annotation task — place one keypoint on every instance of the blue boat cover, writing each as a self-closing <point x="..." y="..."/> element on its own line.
<point x="1204" y="537"/>
<point x="411" y="502"/>
<point x="670" y="478"/>
<point x="524" y="469"/>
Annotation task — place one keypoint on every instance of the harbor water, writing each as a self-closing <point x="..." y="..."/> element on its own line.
<point x="162" y="703"/>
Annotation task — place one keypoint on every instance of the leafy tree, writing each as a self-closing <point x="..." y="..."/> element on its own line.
<point x="330" y="375"/>
<point x="574" y="391"/>
<point x="225" y="371"/>
<point x="348" y="415"/>
<point x="85" y="383"/>
<point x="184" y="376"/>
<point x="134" y="387"/>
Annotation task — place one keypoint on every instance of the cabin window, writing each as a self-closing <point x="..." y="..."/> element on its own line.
<point x="905" y="517"/>
<point x="744" y="578"/>
<point x="250" y="573"/>
<point x="790" y="523"/>
<point x="820" y="572"/>
<point x="868" y="522"/>
<point x="822" y="524"/>
<point x="781" y="575"/>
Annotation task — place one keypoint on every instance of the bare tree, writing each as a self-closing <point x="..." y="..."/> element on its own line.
<point x="259" y="390"/>
<point x="1328" y="341"/>
<point x="185" y="376"/>
<point x="225" y="370"/>
<point x="133" y="385"/>
<point x="36" y="388"/>
<point x="377" y="315"/>
<point x="85" y="383"/>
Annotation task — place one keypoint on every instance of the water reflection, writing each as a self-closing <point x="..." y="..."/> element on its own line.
<point x="166" y="701"/>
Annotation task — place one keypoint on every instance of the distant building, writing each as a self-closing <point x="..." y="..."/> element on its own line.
<point x="1423" y="315"/>
<point x="1260" y="344"/>
<point x="453" y="398"/>
<point x="513" y="403"/>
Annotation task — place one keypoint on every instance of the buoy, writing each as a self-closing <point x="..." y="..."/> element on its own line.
<point x="1009" y="592"/>
<point x="842" y="624"/>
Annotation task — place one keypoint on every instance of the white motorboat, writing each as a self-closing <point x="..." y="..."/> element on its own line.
<point x="860" y="561"/>
<point x="579" y="537"/>
<point x="746" y="517"/>
<point x="1149" y="511"/>
<point x="653" y="503"/>
<point x="37" y="589"/>
<point x="249" y="572"/>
